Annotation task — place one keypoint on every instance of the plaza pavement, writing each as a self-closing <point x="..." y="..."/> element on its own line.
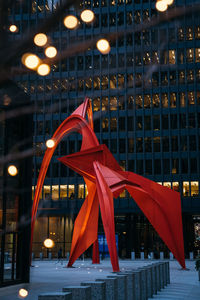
<point x="47" y="276"/>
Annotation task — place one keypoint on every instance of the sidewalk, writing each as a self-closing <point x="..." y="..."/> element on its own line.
<point x="48" y="276"/>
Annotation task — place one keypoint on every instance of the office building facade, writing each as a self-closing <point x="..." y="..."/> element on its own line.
<point x="146" y="102"/>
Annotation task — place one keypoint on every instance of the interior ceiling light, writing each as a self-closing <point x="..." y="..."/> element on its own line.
<point x="40" y="39"/>
<point x="103" y="46"/>
<point x="87" y="16"/>
<point x="70" y="22"/>
<point x="31" y="61"/>
<point x="161" y="6"/>
<point x="51" y="52"/>
<point x="43" y="70"/>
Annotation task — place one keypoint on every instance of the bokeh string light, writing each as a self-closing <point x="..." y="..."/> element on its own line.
<point x="43" y="70"/>
<point x="12" y="170"/>
<point x="87" y="16"/>
<point x="48" y="243"/>
<point x="31" y="61"/>
<point x="50" y="143"/>
<point x="40" y="39"/>
<point x="13" y="28"/>
<point x="50" y="51"/>
<point x="71" y="22"/>
<point x="103" y="46"/>
<point x="162" y="5"/>
<point x="23" y="293"/>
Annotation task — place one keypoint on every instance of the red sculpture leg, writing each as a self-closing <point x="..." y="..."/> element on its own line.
<point x="162" y="207"/>
<point x="107" y="214"/>
<point x="86" y="225"/>
<point x="95" y="252"/>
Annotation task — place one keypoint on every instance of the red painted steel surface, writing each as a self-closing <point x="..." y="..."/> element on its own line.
<point x="105" y="179"/>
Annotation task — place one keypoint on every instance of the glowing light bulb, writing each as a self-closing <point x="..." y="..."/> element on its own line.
<point x="23" y="293"/>
<point x="161" y="5"/>
<point x="43" y="69"/>
<point x="50" y="143"/>
<point x="87" y="16"/>
<point x="48" y="243"/>
<point x="103" y="46"/>
<point x="168" y="2"/>
<point x="51" y="52"/>
<point x="13" y="28"/>
<point x="31" y="61"/>
<point x="40" y="39"/>
<point x="70" y="22"/>
<point x="12" y="170"/>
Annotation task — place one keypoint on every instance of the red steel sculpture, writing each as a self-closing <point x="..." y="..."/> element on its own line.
<point x="105" y="179"/>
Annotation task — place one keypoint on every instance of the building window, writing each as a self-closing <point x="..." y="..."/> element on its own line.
<point x="113" y="124"/>
<point x="81" y="193"/>
<point x="197" y="55"/>
<point x="190" y="55"/>
<point x="55" y="192"/>
<point x="63" y="192"/>
<point x="105" y="125"/>
<point x="172" y="57"/>
<point x="182" y="100"/>
<point x="167" y="184"/>
<point x="175" y="186"/>
<point x="186" y="189"/>
<point x="194" y="188"/>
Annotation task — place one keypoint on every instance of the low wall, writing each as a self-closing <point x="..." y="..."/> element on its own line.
<point x="137" y="284"/>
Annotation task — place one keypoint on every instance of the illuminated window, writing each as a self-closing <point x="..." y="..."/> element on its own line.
<point x="130" y="102"/>
<point x="122" y="164"/>
<point x="164" y="98"/>
<point x="167" y="184"/>
<point x="104" y="104"/>
<point x="186" y="189"/>
<point x="120" y="81"/>
<point x="175" y="186"/>
<point x="197" y="55"/>
<point x="197" y="33"/>
<point x="113" y="82"/>
<point x="130" y="80"/>
<point x="181" y="76"/>
<point x="46" y="192"/>
<point x="63" y="191"/>
<point x="104" y="82"/>
<point x="71" y="191"/>
<point x="113" y="124"/>
<point x="147" y="101"/>
<point x="190" y="76"/>
<point x="55" y="192"/>
<point x="156" y="100"/>
<point x="81" y="193"/>
<point x="191" y="99"/>
<point x="33" y="192"/>
<point x="180" y="34"/>
<point x="194" y="188"/>
<point x="190" y="55"/>
<point x="105" y="124"/>
<point x="123" y="194"/>
<point x="173" y="100"/>
<point x="96" y="83"/>
<point x="172" y="57"/>
<point x="113" y="103"/>
<point x="138" y="101"/>
<point x="182" y="100"/>
<point x="96" y="104"/>
<point x="189" y="34"/>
